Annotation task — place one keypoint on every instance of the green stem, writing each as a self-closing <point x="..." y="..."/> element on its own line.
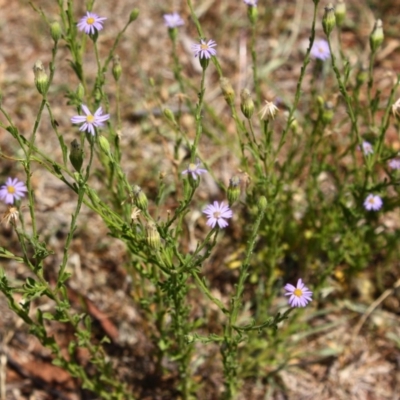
<point x="231" y="336"/>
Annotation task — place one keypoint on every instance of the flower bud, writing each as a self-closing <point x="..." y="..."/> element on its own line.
<point x="362" y="76"/>
<point x="376" y="37"/>
<point x="80" y="92"/>
<point x="169" y="115"/>
<point x="133" y="15"/>
<point x="246" y="103"/>
<point x="104" y="145"/>
<point x="328" y="20"/>
<point x="152" y="236"/>
<point x="98" y="94"/>
<point x="41" y="78"/>
<point x="327" y="113"/>
<point x="262" y="203"/>
<point x="340" y="13"/>
<point x="139" y="198"/>
<point x="227" y="90"/>
<point x="252" y="14"/>
<point x="55" y="31"/>
<point x="116" y="69"/>
<point x="294" y="126"/>
<point x="76" y="155"/>
<point x="233" y="189"/>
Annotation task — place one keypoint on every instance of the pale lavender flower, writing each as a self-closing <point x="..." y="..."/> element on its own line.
<point x="394" y="163"/>
<point x="91" y="23"/>
<point x="173" y="20"/>
<point x="367" y="148"/>
<point x="300" y="295"/>
<point x="216" y="213"/>
<point x="320" y="50"/>
<point x="12" y="190"/>
<point x="203" y="49"/>
<point x="90" y="121"/>
<point x="194" y="170"/>
<point x="373" y="202"/>
<point x="252" y="3"/>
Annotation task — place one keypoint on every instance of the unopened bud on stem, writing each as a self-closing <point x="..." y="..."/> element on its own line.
<point x="329" y="19"/>
<point x="116" y="69"/>
<point x="41" y="78"/>
<point x="76" y="155"/>
<point x="233" y="189"/>
<point x="133" y="15"/>
<point x="139" y="198"/>
<point x="227" y="90"/>
<point x="376" y="38"/>
<point x="340" y="13"/>
<point x="152" y="236"/>
<point x="55" y="31"/>
<point x="246" y="103"/>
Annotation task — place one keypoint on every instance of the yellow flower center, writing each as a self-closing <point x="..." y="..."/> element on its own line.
<point x="298" y="292"/>
<point x="204" y="46"/>
<point x="90" y="21"/>
<point x="192" y="167"/>
<point x="217" y="214"/>
<point x="371" y="200"/>
<point x="11" y="189"/>
<point x="89" y="118"/>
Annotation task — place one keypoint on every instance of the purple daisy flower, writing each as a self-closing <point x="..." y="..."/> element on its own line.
<point x="251" y="3"/>
<point x="216" y="213"/>
<point x="300" y="295"/>
<point x="394" y="163"/>
<point x="90" y="121"/>
<point x="173" y="20"/>
<point x="373" y="202"/>
<point x="203" y="49"/>
<point x="91" y="23"/>
<point x="320" y="50"/>
<point x="194" y="170"/>
<point x="367" y="148"/>
<point x="12" y="190"/>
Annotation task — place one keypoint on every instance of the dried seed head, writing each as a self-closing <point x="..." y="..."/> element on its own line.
<point x="268" y="111"/>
